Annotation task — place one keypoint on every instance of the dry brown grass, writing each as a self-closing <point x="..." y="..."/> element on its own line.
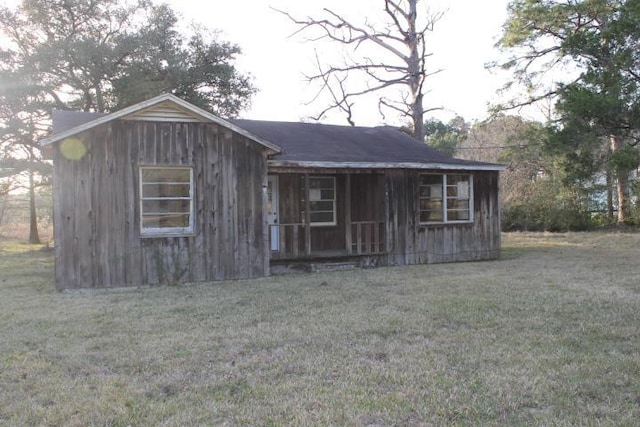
<point x="548" y="335"/>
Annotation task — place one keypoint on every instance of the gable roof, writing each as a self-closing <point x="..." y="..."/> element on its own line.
<point x="331" y="146"/>
<point x="188" y="112"/>
<point x="294" y="144"/>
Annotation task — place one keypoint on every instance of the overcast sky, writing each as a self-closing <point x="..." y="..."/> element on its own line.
<point x="462" y="42"/>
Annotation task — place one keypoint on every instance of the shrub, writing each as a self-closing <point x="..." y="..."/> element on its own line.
<point x="547" y="206"/>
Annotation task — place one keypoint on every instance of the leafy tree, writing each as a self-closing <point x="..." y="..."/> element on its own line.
<point x="101" y="55"/>
<point x="534" y="190"/>
<point x="22" y="122"/>
<point x="392" y="54"/>
<point x="446" y="136"/>
<point x="596" y="41"/>
<point x="514" y="142"/>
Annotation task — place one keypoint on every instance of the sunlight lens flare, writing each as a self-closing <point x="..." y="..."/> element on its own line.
<point x="73" y="149"/>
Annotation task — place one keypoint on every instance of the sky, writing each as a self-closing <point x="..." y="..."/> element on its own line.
<point x="461" y="43"/>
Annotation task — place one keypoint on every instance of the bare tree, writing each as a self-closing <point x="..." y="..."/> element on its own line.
<point x="384" y="55"/>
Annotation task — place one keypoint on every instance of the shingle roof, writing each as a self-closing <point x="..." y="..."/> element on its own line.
<point x="306" y="144"/>
<point x="64" y="120"/>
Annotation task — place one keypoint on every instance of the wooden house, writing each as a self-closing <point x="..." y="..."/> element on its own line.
<point x="164" y="192"/>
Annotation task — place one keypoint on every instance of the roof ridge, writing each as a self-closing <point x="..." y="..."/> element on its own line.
<point x="314" y="123"/>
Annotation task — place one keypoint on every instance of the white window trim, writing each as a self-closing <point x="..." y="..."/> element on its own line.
<point x="167" y="231"/>
<point x="445" y="199"/>
<point x="335" y="195"/>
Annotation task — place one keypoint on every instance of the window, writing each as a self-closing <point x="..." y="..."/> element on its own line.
<point x="322" y="200"/>
<point x="166" y="200"/>
<point x="445" y="198"/>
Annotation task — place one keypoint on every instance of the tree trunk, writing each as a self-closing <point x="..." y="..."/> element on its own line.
<point x="34" y="238"/>
<point x="609" y="195"/>
<point x="622" y="182"/>
<point x="99" y="98"/>
<point x="418" y="119"/>
<point x="416" y="75"/>
<point x="622" y="188"/>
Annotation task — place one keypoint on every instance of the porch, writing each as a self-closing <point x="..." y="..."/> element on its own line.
<point x="294" y="241"/>
<point x="325" y="215"/>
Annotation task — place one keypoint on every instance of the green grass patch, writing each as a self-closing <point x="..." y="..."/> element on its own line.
<point x="547" y="335"/>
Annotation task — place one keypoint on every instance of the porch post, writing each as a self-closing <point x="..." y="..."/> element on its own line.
<point x="307" y="216"/>
<point x="267" y="230"/>
<point x="347" y="214"/>
<point x="390" y="230"/>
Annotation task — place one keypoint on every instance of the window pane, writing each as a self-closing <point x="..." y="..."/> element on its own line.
<point x="321" y="206"/>
<point x="326" y="182"/>
<point x="452" y="191"/>
<point x="455" y="179"/>
<point x="165" y="190"/>
<point x="166" y="175"/>
<point x="314" y="183"/>
<point x="458" y="215"/>
<point x="461" y="190"/>
<point x="435" y="191"/>
<point x="165" y="221"/>
<point x="426" y="179"/>
<point x="327" y="194"/>
<point x="458" y="204"/>
<point x="165" y="206"/>
<point x="315" y="194"/>
<point x="431" y="191"/>
<point x="321" y="182"/>
<point x="426" y="204"/>
<point x="321" y="216"/>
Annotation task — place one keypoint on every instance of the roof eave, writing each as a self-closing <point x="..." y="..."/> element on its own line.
<point x="386" y="165"/>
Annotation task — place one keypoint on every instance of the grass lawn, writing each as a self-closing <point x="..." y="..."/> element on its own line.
<point x="548" y="335"/>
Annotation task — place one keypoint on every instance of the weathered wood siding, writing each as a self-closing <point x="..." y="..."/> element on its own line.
<point x="97" y="217"/>
<point x="410" y="242"/>
<point x="367" y="197"/>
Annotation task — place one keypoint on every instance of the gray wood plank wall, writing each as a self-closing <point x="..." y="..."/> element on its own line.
<point x="97" y="218"/>
<point x="410" y="242"/>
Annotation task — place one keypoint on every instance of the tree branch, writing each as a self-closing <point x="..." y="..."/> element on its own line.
<point x="397" y="39"/>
